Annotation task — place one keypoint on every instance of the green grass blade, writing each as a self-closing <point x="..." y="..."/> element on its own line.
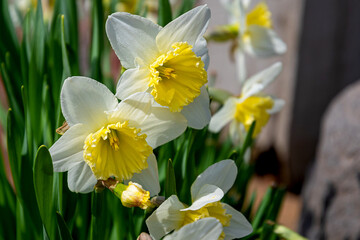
<point x="263" y="209"/>
<point x="186" y="6"/>
<point x="68" y="8"/>
<point x="14" y="143"/>
<point x="7" y="205"/>
<point x="97" y="41"/>
<point x="63" y="228"/>
<point x="10" y="42"/>
<point x="246" y="144"/>
<point x="97" y="216"/>
<point x="12" y="96"/>
<point x="65" y="58"/>
<point x="36" y="75"/>
<point x="164" y="12"/>
<point x="170" y="182"/>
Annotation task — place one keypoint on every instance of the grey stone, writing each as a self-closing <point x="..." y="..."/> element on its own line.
<point x="331" y="196"/>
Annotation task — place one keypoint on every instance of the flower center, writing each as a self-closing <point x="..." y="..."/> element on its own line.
<point x="260" y="15"/>
<point x="116" y="150"/>
<point x="254" y="109"/>
<point x="215" y="209"/>
<point x="177" y="76"/>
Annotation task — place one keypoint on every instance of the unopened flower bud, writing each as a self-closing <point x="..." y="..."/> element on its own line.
<point x="133" y="195"/>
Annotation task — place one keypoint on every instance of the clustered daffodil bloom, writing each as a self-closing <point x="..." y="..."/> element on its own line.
<point x="111" y="139"/>
<point x="206" y="193"/>
<point x="170" y="62"/>
<point x="250" y="106"/>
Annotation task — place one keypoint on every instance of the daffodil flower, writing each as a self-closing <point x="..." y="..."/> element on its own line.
<point x="111" y="139"/>
<point x="206" y="193"/>
<point x="250" y="106"/>
<point x="255" y="33"/>
<point x="170" y="62"/>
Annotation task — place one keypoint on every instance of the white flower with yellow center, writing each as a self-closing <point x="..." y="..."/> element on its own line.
<point x="206" y="193"/>
<point x="255" y="33"/>
<point x="111" y="139"/>
<point x="170" y="62"/>
<point x="250" y="106"/>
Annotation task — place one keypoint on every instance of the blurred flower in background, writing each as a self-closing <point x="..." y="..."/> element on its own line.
<point x="252" y="105"/>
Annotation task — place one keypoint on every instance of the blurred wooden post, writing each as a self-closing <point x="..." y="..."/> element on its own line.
<point x="329" y="60"/>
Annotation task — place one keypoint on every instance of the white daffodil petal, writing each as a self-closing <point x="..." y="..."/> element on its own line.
<point x="239" y="226"/>
<point x="246" y="3"/>
<point x="198" y="112"/>
<point x="200" y="49"/>
<point x="261" y="80"/>
<point x="132" y="81"/>
<point x="81" y="179"/>
<point x="237" y="132"/>
<point x="148" y="178"/>
<point x="224" y="116"/>
<point x="207" y="194"/>
<point x="221" y="174"/>
<point x="132" y="36"/>
<point x="157" y="122"/>
<point x="68" y="150"/>
<point x="203" y="229"/>
<point x="263" y="42"/>
<point x="84" y="100"/>
<point x="166" y="218"/>
<point x="189" y="27"/>
<point x="278" y="105"/>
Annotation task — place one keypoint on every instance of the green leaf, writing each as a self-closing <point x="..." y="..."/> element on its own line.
<point x="14" y="144"/>
<point x="14" y="101"/>
<point x="247" y="144"/>
<point x="7" y="205"/>
<point x="34" y="84"/>
<point x="267" y="231"/>
<point x="263" y="209"/>
<point x="186" y="6"/>
<point x="97" y="42"/>
<point x="9" y="43"/>
<point x="97" y="216"/>
<point x="276" y="204"/>
<point x="63" y="228"/>
<point x="248" y="210"/>
<point x="68" y="8"/>
<point x="170" y="183"/>
<point x="164" y="12"/>
<point x="43" y="183"/>
<point x="65" y="58"/>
